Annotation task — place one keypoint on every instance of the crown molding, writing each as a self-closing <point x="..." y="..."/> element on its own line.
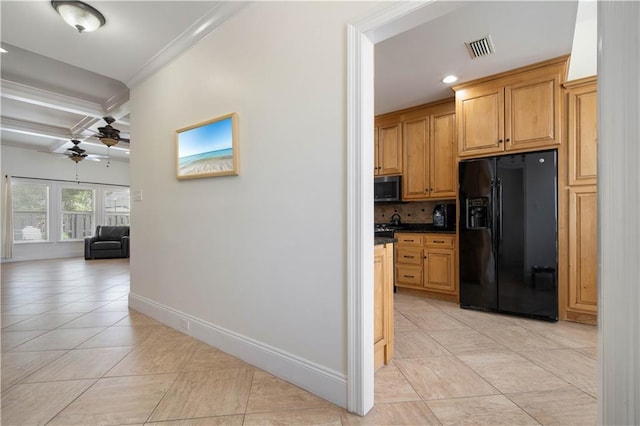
<point x="204" y="26"/>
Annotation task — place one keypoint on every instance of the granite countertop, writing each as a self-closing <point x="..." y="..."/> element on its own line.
<point x="424" y="227"/>
<point x="384" y="240"/>
<point x="420" y="227"/>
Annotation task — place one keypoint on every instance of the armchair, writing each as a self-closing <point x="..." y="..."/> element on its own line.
<point x="108" y="242"/>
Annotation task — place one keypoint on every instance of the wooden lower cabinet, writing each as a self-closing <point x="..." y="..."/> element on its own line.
<point x="383" y="304"/>
<point x="426" y="262"/>
<point x="583" y="246"/>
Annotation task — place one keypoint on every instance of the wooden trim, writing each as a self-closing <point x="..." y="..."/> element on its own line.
<point x="563" y="216"/>
<point x="400" y="114"/>
<point x="580" y="82"/>
<point x="430" y="294"/>
<point x="582" y="317"/>
<point x="560" y="60"/>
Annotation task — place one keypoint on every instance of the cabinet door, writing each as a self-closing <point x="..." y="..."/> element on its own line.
<point x="415" y="174"/>
<point x="443" y="174"/>
<point x="390" y="150"/>
<point x="480" y="117"/>
<point x="439" y="272"/>
<point x="532" y="117"/>
<point x="376" y="160"/>
<point x="583" y="135"/>
<point x="583" y="243"/>
<point x="383" y="304"/>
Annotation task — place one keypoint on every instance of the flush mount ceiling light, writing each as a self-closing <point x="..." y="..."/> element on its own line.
<point x="79" y="15"/>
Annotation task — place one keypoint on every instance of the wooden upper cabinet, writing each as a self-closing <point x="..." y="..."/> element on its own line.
<point x="515" y="111"/>
<point x="533" y="113"/>
<point x="429" y="166"/>
<point x="389" y="150"/>
<point x="480" y="115"/>
<point x="582" y="98"/>
<point x="442" y="156"/>
<point x="415" y="172"/>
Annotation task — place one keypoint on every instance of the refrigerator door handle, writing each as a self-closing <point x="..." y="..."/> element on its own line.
<point x="500" y="210"/>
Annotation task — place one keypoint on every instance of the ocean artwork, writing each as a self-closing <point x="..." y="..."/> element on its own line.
<point x="208" y="149"/>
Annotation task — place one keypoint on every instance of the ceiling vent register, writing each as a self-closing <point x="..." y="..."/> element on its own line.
<point x="482" y="47"/>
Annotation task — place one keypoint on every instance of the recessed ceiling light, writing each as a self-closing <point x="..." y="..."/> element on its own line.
<point x="3" y="50"/>
<point x="450" y="79"/>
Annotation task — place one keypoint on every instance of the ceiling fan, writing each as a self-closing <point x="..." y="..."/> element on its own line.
<point x="78" y="154"/>
<point x="109" y="135"/>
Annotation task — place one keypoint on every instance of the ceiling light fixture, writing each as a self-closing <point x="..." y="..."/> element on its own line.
<point x="450" y="79"/>
<point x="79" y="15"/>
<point x="3" y="50"/>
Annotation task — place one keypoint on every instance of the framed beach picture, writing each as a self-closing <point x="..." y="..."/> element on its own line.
<point x="208" y="149"/>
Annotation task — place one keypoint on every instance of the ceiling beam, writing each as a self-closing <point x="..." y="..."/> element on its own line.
<point x="32" y="95"/>
<point x="34" y="129"/>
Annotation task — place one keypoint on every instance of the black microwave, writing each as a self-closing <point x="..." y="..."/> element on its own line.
<point x="387" y="189"/>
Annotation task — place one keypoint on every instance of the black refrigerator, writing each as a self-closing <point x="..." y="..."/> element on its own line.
<point x="509" y="234"/>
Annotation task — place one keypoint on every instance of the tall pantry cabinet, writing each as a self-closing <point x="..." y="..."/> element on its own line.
<point x="582" y="241"/>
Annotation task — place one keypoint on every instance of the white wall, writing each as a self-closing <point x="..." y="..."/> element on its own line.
<point x="259" y="257"/>
<point x="584" y="51"/>
<point x="34" y="164"/>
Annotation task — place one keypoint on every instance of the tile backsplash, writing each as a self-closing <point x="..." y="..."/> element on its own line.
<point x="413" y="212"/>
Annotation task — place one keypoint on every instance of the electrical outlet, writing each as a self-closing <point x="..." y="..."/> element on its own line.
<point x="184" y="323"/>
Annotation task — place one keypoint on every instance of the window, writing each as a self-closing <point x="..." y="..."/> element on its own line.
<point x="117" y="205"/>
<point x="30" y="211"/>
<point x="77" y="213"/>
<point x="72" y="215"/>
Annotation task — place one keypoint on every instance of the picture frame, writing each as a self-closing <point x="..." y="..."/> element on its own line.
<point x="208" y="149"/>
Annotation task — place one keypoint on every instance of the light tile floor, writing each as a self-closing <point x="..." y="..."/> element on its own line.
<point x="74" y="354"/>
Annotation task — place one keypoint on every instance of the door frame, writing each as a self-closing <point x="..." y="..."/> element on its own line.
<point x="361" y="38"/>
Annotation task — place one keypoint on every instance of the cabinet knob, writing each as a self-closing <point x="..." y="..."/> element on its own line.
<point x="425" y="257"/>
<point x="499" y="140"/>
<point x="507" y="140"/>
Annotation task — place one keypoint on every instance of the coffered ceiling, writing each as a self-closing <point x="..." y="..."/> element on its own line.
<point x="58" y="84"/>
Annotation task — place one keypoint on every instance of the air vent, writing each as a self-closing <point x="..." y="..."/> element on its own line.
<point x="481" y="47"/>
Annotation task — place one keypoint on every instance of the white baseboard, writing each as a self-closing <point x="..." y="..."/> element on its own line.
<point x="321" y="381"/>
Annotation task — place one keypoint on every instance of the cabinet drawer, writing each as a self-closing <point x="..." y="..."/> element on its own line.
<point x="409" y="275"/>
<point x="409" y="239"/>
<point x="409" y="255"/>
<point x="439" y="240"/>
